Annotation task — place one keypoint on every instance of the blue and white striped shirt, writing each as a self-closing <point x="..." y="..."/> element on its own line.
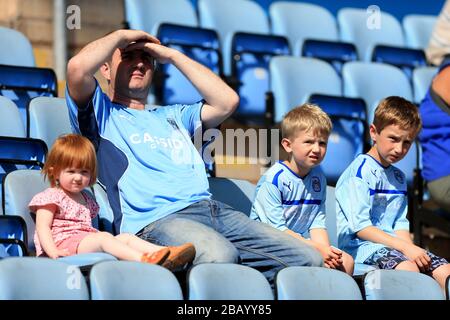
<point x="286" y="201"/>
<point x="367" y="194"/>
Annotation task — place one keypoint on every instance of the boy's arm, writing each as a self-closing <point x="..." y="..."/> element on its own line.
<point x="82" y="67"/>
<point x="404" y="235"/>
<point x="44" y="220"/>
<point x="221" y="100"/>
<point x="268" y="207"/>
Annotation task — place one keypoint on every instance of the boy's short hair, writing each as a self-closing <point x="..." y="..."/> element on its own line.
<point x="305" y="117"/>
<point x="398" y="111"/>
<point x="70" y="151"/>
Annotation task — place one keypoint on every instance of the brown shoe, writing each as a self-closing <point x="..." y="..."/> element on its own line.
<point x="179" y="256"/>
<point x="157" y="257"/>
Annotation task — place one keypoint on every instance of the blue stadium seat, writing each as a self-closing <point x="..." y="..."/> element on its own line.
<point x="238" y="194"/>
<point x="201" y="45"/>
<point x="226" y="281"/>
<point x="13" y="236"/>
<point x="229" y="17"/>
<point x="403" y="58"/>
<point x="19" y="188"/>
<point x="29" y="278"/>
<point x="300" y="21"/>
<point x="315" y="283"/>
<point x="411" y="162"/>
<point x="250" y="69"/>
<point x="17" y="49"/>
<point x="334" y="52"/>
<point x="401" y="285"/>
<point x="105" y="218"/>
<point x="365" y="31"/>
<point x="49" y="118"/>
<point x="348" y="136"/>
<point x="422" y="78"/>
<point x="418" y="29"/>
<point x="331" y="224"/>
<point x="21" y="84"/>
<point x="147" y="15"/>
<point x="11" y="123"/>
<point x="294" y="79"/>
<point x="362" y="80"/>
<point x="127" y="280"/>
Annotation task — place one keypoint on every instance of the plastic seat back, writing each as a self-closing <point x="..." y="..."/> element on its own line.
<point x="13" y="236"/>
<point x="11" y="123"/>
<point x="229" y="17"/>
<point x="226" y="281"/>
<point x="147" y="15"/>
<point x="17" y="49"/>
<point x="128" y="280"/>
<point x="421" y="79"/>
<point x="49" y="118"/>
<point x="236" y="193"/>
<point x="293" y="80"/>
<point x="29" y="278"/>
<point x="315" y="283"/>
<point x="418" y="29"/>
<point x="366" y="31"/>
<point x="401" y="285"/>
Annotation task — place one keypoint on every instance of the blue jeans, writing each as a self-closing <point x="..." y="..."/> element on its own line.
<point x="222" y="234"/>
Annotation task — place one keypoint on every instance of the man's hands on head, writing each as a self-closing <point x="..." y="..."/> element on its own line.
<point x="161" y="53"/>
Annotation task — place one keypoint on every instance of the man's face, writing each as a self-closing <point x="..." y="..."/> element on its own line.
<point x="131" y="73"/>
<point x="391" y="144"/>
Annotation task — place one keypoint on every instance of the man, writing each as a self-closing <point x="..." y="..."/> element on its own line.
<point x="154" y="177"/>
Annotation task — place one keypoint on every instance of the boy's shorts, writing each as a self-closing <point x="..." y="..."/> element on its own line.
<point x="388" y="258"/>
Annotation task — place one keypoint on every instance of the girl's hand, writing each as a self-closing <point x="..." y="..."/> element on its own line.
<point x="58" y="253"/>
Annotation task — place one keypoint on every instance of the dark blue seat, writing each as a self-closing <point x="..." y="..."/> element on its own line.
<point x="405" y="58"/>
<point x="251" y="55"/>
<point x="21" y="84"/>
<point x="201" y="45"/>
<point x="348" y="136"/>
<point x="13" y="236"/>
<point x="335" y="53"/>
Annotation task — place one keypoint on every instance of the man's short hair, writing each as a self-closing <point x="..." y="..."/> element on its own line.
<point x="305" y="117"/>
<point x="397" y="111"/>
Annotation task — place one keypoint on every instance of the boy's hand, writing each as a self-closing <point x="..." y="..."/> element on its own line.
<point x="419" y="256"/>
<point x="332" y="256"/>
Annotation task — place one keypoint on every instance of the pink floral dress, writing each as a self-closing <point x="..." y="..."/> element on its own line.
<point x="72" y="221"/>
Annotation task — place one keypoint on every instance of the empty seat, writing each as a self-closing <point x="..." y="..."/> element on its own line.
<point x="147" y="15"/>
<point x="315" y="283"/>
<point x="49" y="118"/>
<point x="28" y="278"/>
<point x="228" y="17"/>
<point x="21" y="84"/>
<point x="17" y="49"/>
<point x="13" y="236"/>
<point x="128" y="280"/>
<point x="11" y="123"/>
<point x="366" y="31"/>
<point x="421" y="80"/>
<point x="401" y="285"/>
<point x="293" y="80"/>
<point x="418" y="29"/>
<point x="300" y="21"/>
<point x="201" y="45"/>
<point x="250" y="69"/>
<point x="238" y="194"/>
<point x="363" y="80"/>
<point x="226" y="281"/>
<point x="348" y="135"/>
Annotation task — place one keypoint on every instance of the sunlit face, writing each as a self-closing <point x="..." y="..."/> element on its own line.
<point x="391" y="144"/>
<point x="308" y="149"/>
<point x="130" y="73"/>
<point x="74" y="180"/>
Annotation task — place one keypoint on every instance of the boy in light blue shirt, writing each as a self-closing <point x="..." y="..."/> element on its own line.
<point x="372" y="200"/>
<point x="290" y="196"/>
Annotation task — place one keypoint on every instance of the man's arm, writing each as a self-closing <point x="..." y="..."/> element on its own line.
<point x="221" y="100"/>
<point x="441" y="85"/>
<point x="82" y="67"/>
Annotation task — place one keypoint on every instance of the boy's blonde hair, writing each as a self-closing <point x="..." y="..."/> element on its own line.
<point x="305" y="117"/>
<point x="398" y="111"/>
<point x="70" y="151"/>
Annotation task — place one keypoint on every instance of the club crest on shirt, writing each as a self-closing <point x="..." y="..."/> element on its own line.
<point x="399" y="176"/>
<point x="316" y="184"/>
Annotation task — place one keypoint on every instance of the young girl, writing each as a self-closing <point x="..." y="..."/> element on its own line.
<point x="64" y="212"/>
